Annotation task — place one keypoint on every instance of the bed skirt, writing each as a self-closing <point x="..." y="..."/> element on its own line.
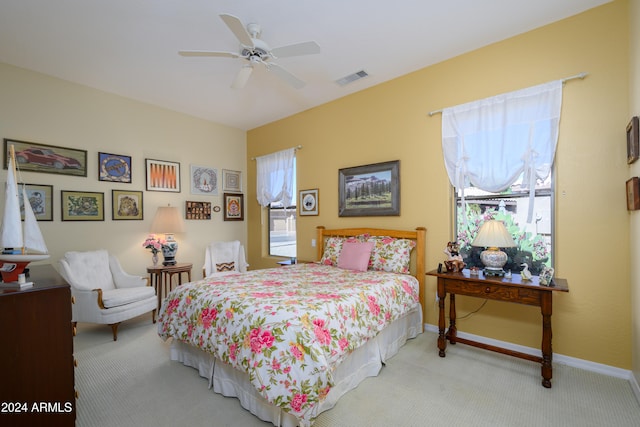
<point x="365" y="361"/>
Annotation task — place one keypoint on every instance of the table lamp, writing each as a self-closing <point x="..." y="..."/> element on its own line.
<point x="493" y="235"/>
<point x="168" y="221"/>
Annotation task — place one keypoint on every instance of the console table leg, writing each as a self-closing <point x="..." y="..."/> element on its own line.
<point x="442" y="340"/>
<point x="453" y="331"/>
<point x="547" y="351"/>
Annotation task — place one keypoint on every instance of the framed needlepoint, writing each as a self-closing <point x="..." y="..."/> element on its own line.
<point x="633" y="144"/>
<point x="633" y="194"/>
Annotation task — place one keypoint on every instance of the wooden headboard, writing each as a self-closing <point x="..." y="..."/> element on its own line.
<point x="417" y="258"/>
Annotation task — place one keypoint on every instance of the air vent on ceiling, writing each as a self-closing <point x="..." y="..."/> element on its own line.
<point x="352" y="78"/>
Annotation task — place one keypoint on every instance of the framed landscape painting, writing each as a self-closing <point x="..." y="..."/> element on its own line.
<point x="370" y="190"/>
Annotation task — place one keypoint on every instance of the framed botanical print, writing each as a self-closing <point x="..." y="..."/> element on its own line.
<point x="82" y="206"/>
<point x="233" y="207"/>
<point x="126" y="205"/>
<point x="163" y="176"/>
<point x="41" y="199"/>
<point x="231" y="181"/>
<point x="204" y="180"/>
<point x="114" y="168"/>
<point x="309" y="204"/>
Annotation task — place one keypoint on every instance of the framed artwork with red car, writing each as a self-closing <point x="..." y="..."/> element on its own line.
<point x="35" y="157"/>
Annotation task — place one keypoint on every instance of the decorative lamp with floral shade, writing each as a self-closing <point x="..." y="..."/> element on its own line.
<point x="168" y="221"/>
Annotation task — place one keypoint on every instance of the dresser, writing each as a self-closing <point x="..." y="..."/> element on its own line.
<point x="37" y="386"/>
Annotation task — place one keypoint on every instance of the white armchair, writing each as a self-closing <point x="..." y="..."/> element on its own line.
<point x="224" y="257"/>
<point x="103" y="292"/>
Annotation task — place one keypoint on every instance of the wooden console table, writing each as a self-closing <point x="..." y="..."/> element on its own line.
<point x="500" y="289"/>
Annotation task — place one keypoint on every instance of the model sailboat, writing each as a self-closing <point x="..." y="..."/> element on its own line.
<point x="21" y="243"/>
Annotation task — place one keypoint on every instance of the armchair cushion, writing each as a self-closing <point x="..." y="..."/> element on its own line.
<point x="90" y="270"/>
<point x="117" y="297"/>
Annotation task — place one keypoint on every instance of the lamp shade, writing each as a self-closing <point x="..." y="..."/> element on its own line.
<point x="167" y="221"/>
<point x="493" y="234"/>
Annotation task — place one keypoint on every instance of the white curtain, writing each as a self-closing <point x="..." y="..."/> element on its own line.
<point x="275" y="177"/>
<point x="490" y="142"/>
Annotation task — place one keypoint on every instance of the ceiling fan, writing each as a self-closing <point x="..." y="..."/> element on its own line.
<point x="255" y="52"/>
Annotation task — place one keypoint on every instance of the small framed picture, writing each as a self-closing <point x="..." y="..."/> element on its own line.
<point x="309" y="202"/>
<point x="41" y="199"/>
<point x="163" y="176"/>
<point x="204" y="180"/>
<point x="633" y="144"/>
<point x="126" y="205"/>
<point x="82" y="206"/>
<point x="233" y="207"/>
<point x="198" y="210"/>
<point x="114" y="168"/>
<point x="231" y="181"/>
<point x="633" y="194"/>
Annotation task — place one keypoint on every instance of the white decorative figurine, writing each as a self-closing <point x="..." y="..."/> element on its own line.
<point x="525" y="273"/>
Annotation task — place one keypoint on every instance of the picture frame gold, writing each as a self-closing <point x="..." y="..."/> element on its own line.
<point x="633" y="194"/>
<point x="82" y="206"/>
<point x="369" y="190"/>
<point x="126" y="205"/>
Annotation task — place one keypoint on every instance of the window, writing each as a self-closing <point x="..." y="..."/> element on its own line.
<point x="534" y="240"/>
<point x="282" y="226"/>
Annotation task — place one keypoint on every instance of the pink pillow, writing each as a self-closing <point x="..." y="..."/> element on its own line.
<point x="355" y="255"/>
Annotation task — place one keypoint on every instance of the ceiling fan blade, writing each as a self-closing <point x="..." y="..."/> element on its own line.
<point x="238" y="29"/>
<point x="207" y="53"/>
<point x="242" y="77"/>
<point x="286" y="76"/>
<point x="304" y="48"/>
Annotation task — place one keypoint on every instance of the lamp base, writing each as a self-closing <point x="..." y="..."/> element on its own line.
<point x="495" y="272"/>
<point x="169" y="251"/>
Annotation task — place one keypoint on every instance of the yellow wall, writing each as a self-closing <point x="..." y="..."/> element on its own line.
<point x="634" y="109"/>
<point x="390" y="121"/>
<point x="46" y="110"/>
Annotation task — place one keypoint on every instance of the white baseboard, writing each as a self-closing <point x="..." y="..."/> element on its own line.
<point x="557" y="358"/>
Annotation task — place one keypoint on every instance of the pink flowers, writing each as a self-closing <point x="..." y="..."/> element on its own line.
<point x="297" y="401"/>
<point x="208" y="316"/>
<point x="154" y="244"/>
<point x="322" y="334"/>
<point x="259" y="339"/>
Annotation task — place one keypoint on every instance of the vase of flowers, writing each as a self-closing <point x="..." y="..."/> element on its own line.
<point x="155" y="245"/>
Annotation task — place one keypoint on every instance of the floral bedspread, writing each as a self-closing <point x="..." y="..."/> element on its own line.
<point x="287" y="327"/>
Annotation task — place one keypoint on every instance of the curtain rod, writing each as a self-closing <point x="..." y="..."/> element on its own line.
<point x="296" y="148"/>
<point x="566" y="79"/>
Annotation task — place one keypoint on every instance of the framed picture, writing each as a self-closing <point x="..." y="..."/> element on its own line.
<point x="633" y="194"/>
<point x="163" y="176"/>
<point x="126" y="205"/>
<point x="35" y="157"/>
<point x="233" y="207"/>
<point x="114" y="168"/>
<point x="309" y="202"/>
<point x="204" y="180"/>
<point x="231" y="181"/>
<point x="198" y="210"/>
<point x="82" y="206"/>
<point x="41" y="199"/>
<point x="370" y="190"/>
<point x="633" y="144"/>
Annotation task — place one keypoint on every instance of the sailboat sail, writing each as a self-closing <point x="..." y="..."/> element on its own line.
<point x="12" y="234"/>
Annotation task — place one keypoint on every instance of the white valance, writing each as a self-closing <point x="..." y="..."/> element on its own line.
<point x="489" y="143"/>
<point x="275" y="177"/>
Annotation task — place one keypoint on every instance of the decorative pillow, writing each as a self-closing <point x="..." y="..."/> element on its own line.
<point x="332" y="248"/>
<point x="226" y="266"/>
<point x="391" y="254"/>
<point x="355" y="255"/>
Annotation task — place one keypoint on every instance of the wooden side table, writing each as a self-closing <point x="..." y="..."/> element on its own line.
<point x="161" y="277"/>
<point x="500" y="289"/>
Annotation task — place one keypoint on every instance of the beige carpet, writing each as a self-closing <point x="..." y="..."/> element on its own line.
<point x="131" y="382"/>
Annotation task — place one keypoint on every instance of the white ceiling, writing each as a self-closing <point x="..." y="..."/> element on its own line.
<point x="129" y="47"/>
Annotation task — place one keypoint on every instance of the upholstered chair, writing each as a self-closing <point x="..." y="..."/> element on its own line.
<point x="103" y="293"/>
<point x="224" y="257"/>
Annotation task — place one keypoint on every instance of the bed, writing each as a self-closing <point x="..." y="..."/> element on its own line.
<point x="289" y="341"/>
